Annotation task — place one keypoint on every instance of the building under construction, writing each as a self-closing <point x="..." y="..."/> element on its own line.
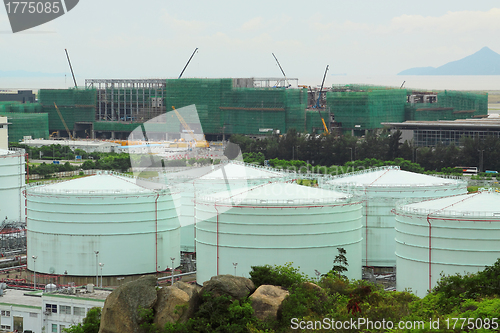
<point x="114" y="108"/>
<point x="110" y="108"/>
<point x="361" y="108"/>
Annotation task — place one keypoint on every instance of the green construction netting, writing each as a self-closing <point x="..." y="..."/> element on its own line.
<point x="450" y="105"/>
<point x="204" y="93"/>
<point x="35" y="125"/>
<point x="116" y="126"/>
<point x="253" y="111"/>
<point x="75" y="105"/>
<point x="460" y="101"/>
<point x="313" y="121"/>
<point x="19" y="107"/>
<point x="366" y="107"/>
<point x="295" y="105"/>
<point x="224" y="109"/>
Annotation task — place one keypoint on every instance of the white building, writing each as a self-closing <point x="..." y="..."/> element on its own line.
<point x="46" y="312"/>
<point x="4" y="136"/>
<point x="89" y="146"/>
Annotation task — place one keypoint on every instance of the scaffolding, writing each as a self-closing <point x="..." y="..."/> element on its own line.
<point x="361" y="107"/>
<point x="35" y="125"/>
<point x="19" y="107"/>
<point x="76" y="106"/>
<point x="450" y="105"/>
<point x="128" y="100"/>
<point x="225" y="109"/>
<point x="205" y="94"/>
<point x="463" y="101"/>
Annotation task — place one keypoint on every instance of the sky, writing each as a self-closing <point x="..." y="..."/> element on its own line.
<point x="155" y="38"/>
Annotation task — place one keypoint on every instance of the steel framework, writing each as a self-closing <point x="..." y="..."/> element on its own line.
<point x="128" y="99"/>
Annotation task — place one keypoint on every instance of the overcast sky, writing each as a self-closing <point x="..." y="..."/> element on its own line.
<point x="154" y="38"/>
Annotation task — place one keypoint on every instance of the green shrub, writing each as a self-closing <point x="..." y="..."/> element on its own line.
<point x="285" y="276"/>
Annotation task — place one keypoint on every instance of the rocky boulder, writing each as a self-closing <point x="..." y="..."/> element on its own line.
<point x="176" y="303"/>
<point x="237" y="287"/>
<point x="120" y="313"/>
<point x="266" y="301"/>
<point x="317" y="290"/>
<point x="190" y="289"/>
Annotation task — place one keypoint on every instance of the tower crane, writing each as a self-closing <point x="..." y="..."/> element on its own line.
<point x="317" y="106"/>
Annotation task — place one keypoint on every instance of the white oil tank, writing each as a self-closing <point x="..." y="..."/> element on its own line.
<point x="380" y="189"/>
<point x="273" y="224"/>
<point x="107" y="218"/>
<point x="458" y="234"/>
<point x="12" y="182"/>
<point x="231" y="175"/>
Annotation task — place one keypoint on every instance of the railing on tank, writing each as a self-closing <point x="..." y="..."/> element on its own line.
<point x="277" y="202"/>
<point x="403" y="208"/>
<point x="38" y="187"/>
<point x="14" y="152"/>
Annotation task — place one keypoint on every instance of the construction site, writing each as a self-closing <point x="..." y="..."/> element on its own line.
<point x="112" y="109"/>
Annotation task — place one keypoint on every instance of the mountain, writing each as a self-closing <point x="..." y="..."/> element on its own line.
<point x="483" y="62"/>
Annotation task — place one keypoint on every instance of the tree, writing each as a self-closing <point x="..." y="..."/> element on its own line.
<point x="90" y="323"/>
<point x="340" y="263"/>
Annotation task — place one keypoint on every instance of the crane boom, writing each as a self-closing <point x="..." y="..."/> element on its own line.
<point x="203" y="143"/>
<point x="317" y="106"/>
<point x="71" y="67"/>
<point x="64" y="123"/>
<point x="192" y="55"/>
<point x="282" y="71"/>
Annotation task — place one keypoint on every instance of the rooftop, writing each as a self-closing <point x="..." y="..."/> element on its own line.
<point x="237" y="171"/>
<point x="21" y="297"/>
<point x="42" y="142"/>
<point x="282" y="194"/>
<point x="389" y="176"/>
<point x="490" y="122"/>
<point x="484" y="203"/>
<point x="104" y="183"/>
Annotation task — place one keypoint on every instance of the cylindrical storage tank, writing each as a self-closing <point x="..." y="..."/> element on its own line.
<point x="274" y="224"/>
<point x="12" y="182"/>
<point x="232" y="175"/>
<point x="449" y="235"/>
<point x="380" y="189"/>
<point x="134" y="228"/>
<point x="182" y="182"/>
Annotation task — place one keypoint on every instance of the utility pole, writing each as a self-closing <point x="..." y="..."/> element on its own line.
<point x="96" y="268"/>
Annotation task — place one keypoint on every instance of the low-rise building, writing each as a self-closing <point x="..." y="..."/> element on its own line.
<point x="89" y="146"/>
<point x="48" y="312"/>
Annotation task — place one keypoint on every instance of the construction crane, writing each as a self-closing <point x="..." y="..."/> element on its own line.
<point x="282" y="71"/>
<point x="196" y="49"/>
<point x="64" y="123"/>
<point x="317" y="106"/>
<point x="71" y="67"/>
<point x="198" y="143"/>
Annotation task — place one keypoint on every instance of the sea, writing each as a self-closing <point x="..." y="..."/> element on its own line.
<point x="486" y="83"/>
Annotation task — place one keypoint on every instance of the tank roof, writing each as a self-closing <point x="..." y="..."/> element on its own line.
<point x="15" y="151"/>
<point x="241" y="171"/>
<point x="390" y="176"/>
<point x="277" y="193"/>
<point x="104" y="183"/>
<point x="484" y="203"/>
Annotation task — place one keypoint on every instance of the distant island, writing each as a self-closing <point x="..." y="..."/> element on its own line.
<point x="483" y="62"/>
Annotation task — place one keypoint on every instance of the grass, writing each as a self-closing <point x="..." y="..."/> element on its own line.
<point x="145" y="174"/>
<point x="472" y="188"/>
